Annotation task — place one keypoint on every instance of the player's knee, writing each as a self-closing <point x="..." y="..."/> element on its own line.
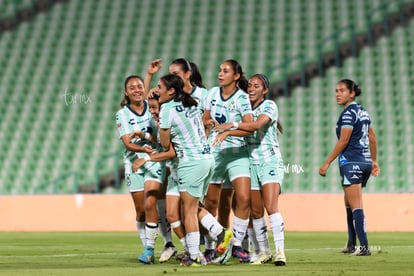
<point x="172" y="217"/>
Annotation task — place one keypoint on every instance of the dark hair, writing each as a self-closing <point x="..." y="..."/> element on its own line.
<point x="125" y="100"/>
<point x="186" y="66"/>
<point x="263" y="78"/>
<point x="352" y="86"/>
<point x="175" y="82"/>
<point x="242" y="82"/>
<point x="196" y="77"/>
<point x="154" y="96"/>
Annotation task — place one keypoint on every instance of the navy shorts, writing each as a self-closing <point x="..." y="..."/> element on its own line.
<point x="355" y="173"/>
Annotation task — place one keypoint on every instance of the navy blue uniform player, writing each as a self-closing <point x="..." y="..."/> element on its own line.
<point x="356" y="150"/>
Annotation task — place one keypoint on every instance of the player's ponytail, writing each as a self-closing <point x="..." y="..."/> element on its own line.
<point x="279" y="126"/>
<point x="196" y="75"/>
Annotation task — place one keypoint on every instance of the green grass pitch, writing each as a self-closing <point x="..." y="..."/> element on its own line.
<point x="108" y="253"/>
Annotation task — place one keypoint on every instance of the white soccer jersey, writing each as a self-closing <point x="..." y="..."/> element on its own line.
<point x="186" y="129"/>
<point x="127" y="121"/>
<point x="263" y="145"/>
<point x="227" y="110"/>
<point x="199" y="94"/>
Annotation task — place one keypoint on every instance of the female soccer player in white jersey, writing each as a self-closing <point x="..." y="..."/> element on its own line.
<point x="229" y="103"/>
<point x="193" y="85"/>
<point x="190" y="74"/>
<point x="136" y="127"/>
<point x="181" y="126"/>
<point x="266" y="168"/>
<point x="193" y="82"/>
<point x="164" y="226"/>
<point x="357" y="151"/>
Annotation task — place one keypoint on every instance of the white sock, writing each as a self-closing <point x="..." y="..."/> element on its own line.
<point x="212" y="225"/>
<point x="278" y="230"/>
<point x="193" y="244"/>
<point x="239" y="230"/>
<point x="164" y="226"/>
<point x="184" y="243"/>
<point x="141" y="231"/>
<point x="260" y="230"/>
<point x="253" y="240"/>
<point x="151" y="233"/>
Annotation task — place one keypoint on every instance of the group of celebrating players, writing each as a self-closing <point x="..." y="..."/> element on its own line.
<point x="193" y="155"/>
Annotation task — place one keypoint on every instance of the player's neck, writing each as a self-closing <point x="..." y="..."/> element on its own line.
<point x="137" y="106"/>
<point x="188" y="88"/>
<point x="228" y="90"/>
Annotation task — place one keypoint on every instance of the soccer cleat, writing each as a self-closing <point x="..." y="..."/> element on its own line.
<point x="210" y="255"/>
<point x="240" y="254"/>
<point x="280" y="258"/>
<point x="167" y="253"/>
<point x="224" y="241"/>
<point x="348" y="249"/>
<point x="262" y="258"/>
<point x="181" y="255"/>
<point x="361" y="251"/>
<point x="147" y="257"/>
<point x="225" y="257"/>
<point x="254" y="256"/>
<point x="187" y="261"/>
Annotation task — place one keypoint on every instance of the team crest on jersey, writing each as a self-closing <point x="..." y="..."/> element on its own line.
<point x="232" y="106"/>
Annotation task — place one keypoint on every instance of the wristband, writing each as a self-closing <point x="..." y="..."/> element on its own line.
<point x="147" y="136"/>
<point x="147" y="157"/>
<point x="235" y="125"/>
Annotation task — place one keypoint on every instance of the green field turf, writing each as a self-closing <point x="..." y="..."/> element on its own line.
<point x="27" y="253"/>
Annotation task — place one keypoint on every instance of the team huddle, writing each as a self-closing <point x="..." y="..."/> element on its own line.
<point x="193" y="155"/>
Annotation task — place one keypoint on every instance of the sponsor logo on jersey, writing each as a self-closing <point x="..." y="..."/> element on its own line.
<point x="363" y="115"/>
<point x="220" y="118"/>
<point x="342" y="160"/>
